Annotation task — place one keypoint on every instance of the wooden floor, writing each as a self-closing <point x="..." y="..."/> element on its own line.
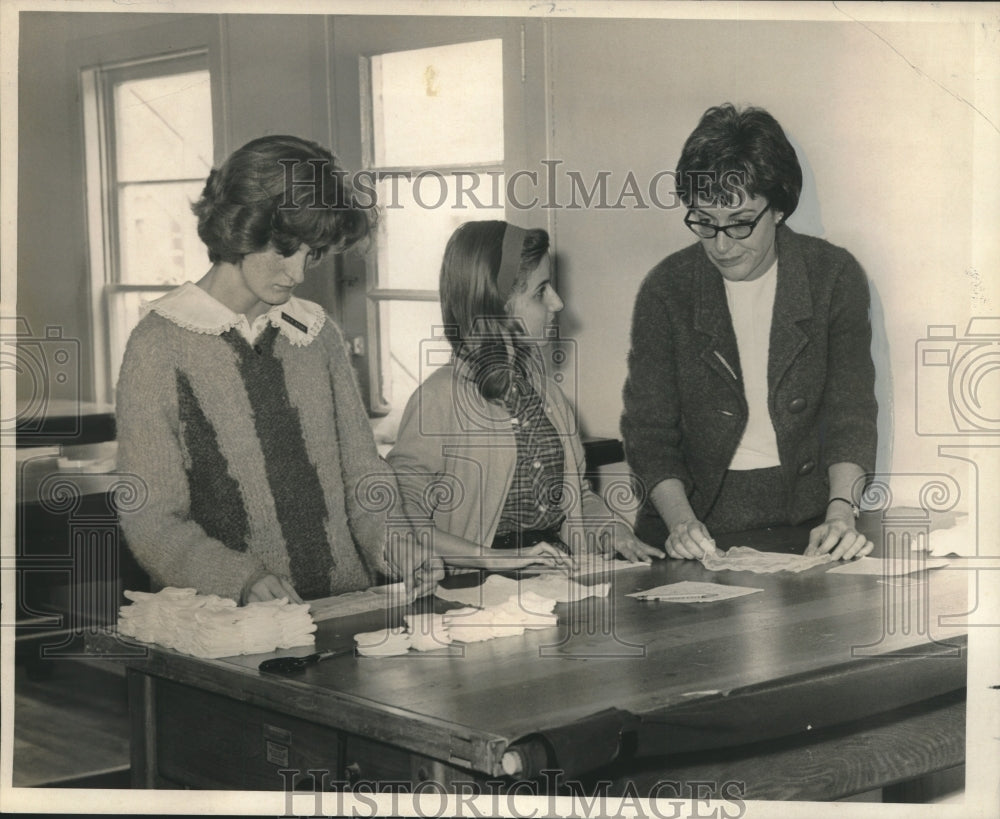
<point x="70" y="725"/>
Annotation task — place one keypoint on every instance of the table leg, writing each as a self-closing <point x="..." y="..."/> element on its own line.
<point x="142" y="719"/>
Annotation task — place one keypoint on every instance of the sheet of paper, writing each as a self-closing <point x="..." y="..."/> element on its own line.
<point x="745" y="559"/>
<point x="891" y="568"/>
<point x="497" y="589"/>
<point x="959" y="539"/>
<point x="691" y="591"/>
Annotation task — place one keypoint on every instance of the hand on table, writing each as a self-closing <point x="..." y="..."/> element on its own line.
<point x="547" y="555"/>
<point x="271" y="587"/>
<point x="623" y="540"/>
<point x="690" y="540"/>
<point x="837" y="537"/>
<point x="423" y="579"/>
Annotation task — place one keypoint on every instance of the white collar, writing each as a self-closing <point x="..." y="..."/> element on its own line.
<point x="190" y="307"/>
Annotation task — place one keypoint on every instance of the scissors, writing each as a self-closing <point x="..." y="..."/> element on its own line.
<point x="291" y="665"/>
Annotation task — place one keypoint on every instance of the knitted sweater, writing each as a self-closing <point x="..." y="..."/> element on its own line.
<point x="254" y="457"/>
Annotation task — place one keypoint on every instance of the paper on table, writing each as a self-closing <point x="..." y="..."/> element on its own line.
<point x="497" y="590"/>
<point x="690" y="591"/>
<point x="959" y="539"/>
<point x="894" y="567"/>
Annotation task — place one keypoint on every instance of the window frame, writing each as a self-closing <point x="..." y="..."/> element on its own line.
<point x="352" y="40"/>
<point x="103" y="189"/>
<point x="376" y="295"/>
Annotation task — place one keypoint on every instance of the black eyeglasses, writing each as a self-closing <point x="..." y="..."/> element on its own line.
<point x="737" y="230"/>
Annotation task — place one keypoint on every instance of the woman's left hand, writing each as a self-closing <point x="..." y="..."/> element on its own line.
<point x="837" y="537"/>
<point x="619" y="538"/>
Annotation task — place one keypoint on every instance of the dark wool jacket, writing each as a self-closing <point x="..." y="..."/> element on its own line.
<point x="685" y="409"/>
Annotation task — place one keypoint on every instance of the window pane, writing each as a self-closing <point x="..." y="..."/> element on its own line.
<point x="159" y="234"/>
<point x="413" y="232"/>
<point x="438" y="106"/>
<point x="408" y="351"/>
<point x="163" y="127"/>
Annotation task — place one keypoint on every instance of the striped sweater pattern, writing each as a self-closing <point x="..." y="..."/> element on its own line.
<point x="252" y="456"/>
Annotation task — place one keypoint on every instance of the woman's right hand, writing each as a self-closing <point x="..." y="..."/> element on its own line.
<point x="690" y="540"/>
<point x="549" y="555"/>
<point x="270" y="587"/>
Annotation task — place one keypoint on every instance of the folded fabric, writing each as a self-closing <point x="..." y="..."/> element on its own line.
<point x="497" y="589"/>
<point x="206" y="625"/>
<point x="426" y="632"/>
<point x="386" y="642"/>
<point x="745" y="559"/>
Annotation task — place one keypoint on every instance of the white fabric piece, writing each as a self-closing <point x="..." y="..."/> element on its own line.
<point x="386" y="642"/>
<point x="496" y="590"/>
<point x="427" y="631"/>
<point x="745" y="559"/>
<point x="206" y="625"/>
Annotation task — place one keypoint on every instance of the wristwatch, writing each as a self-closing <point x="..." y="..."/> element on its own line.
<point x="855" y="509"/>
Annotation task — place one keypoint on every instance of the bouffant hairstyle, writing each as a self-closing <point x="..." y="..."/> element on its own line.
<point x="732" y="154"/>
<point x="280" y="191"/>
<point x="482" y="333"/>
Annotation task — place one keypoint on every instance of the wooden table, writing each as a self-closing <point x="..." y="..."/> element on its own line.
<point x="852" y="678"/>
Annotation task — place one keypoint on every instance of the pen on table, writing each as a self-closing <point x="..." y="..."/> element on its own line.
<point x="680" y="597"/>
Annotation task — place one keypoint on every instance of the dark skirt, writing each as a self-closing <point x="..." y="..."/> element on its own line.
<point x="748" y="499"/>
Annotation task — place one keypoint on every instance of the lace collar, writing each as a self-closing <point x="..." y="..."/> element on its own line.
<point x="190" y="307"/>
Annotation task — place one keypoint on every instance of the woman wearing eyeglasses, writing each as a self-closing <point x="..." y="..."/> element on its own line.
<point x="750" y="394"/>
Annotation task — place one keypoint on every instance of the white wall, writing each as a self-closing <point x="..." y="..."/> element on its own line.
<point x="883" y="120"/>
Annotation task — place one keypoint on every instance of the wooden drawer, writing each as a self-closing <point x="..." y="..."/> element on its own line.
<point x="206" y="740"/>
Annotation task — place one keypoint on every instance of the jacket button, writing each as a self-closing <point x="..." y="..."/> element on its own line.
<point x="797" y="405"/>
<point x="807" y="467"/>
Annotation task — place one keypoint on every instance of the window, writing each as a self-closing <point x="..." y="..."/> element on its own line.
<point x="433" y="141"/>
<point x="149" y="148"/>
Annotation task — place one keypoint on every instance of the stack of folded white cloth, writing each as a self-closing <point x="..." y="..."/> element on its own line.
<point x="526" y="610"/>
<point x="425" y="632"/>
<point x="206" y="625"/>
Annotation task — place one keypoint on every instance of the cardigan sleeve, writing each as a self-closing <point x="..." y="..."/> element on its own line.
<point x="849" y="406"/>
<point x="417" y="456"/>
<point x="173" y="549"/>
<point x="368" y="479"/>
<point x="650" y="423"/>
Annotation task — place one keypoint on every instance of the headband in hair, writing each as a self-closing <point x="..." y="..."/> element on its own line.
<point x="510" y="259"/>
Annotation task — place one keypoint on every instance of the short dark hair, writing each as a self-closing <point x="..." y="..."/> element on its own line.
<point x="474" y="309"/>
<point x="731" y="153"/>
<point x="279" y="191"/>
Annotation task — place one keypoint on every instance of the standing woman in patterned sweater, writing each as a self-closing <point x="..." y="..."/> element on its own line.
<point x="238" y="407"/>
